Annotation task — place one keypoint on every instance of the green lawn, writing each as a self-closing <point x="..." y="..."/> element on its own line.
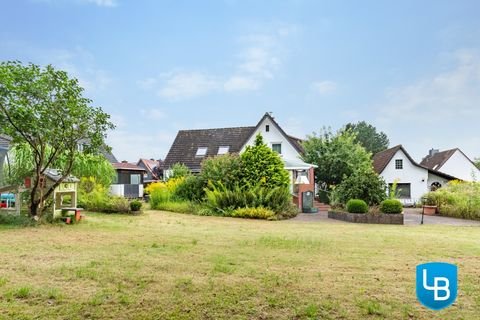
<point x="171" y="266"/>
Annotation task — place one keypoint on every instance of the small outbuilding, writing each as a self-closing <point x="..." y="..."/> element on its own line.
<point x="65" y="195"/>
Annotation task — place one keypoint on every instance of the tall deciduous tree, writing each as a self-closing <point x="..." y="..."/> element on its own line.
<point x="368" y="137"/>
<point x="46" y="109"/>
<point x="262" y="166"/>
<point x="336" y="155"/>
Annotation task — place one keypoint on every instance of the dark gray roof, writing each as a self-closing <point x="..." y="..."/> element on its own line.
<point x="187" y="142"/>
<point x="55" y="175"/>
<point x="185" y="146"/>
<point x="437" y="160"/>
<point x="109" y="156"/>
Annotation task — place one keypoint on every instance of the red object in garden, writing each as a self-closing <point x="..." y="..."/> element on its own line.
<point x="28" y="183"/>
<point x="68" y="220"/>
<point x="78" y="215"/>
<point x="429" y="210"/>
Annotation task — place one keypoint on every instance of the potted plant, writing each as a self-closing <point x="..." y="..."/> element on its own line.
<point x="430" y="206"/>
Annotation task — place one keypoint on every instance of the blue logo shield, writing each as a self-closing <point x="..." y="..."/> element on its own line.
<point x="436" y="284"/>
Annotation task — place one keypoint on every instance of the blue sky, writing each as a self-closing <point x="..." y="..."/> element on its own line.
<point x="411" y="68"/>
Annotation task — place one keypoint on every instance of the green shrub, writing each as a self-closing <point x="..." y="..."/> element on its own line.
<point x="222" y="200"/>
<point x="135" y="205"/>
<point x="180" y="207"/>
<point x="117" y="205"/>
<point x="93" y="196"/>
<point x="261" y="165"/>
<point x="163" y="191"/>
<point x="357" y="206"/>
<point x="457" y="199"/>
<point x="391" y="206"/>
<point x="191" y="189"/>
<point x="363" y="184"/>
<point x="225" y="169"/>
<point x="254" y="213"/>
<point x="179" y="170"/>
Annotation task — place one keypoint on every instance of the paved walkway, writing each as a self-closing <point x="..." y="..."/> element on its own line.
<point x="412" y="217"/>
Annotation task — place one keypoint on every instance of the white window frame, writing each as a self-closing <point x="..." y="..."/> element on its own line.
<point x="201" y="152"/>
<point x="279" y="143"/>
<point x="223" y="150"/>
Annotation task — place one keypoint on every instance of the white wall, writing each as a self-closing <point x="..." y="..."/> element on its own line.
<point x="416" y="176"/>
<point x="117" y="190"/>
<point x="460" y="167"/>
<point x="434" y="178"/>
<point x="273" y="136"/>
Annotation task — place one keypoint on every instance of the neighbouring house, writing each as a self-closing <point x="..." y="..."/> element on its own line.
<point x="4" y="147"/>
<point x="153" y="171"/>
<point x="191" y="147"/>
<point x="453" y="162"/>
<point x="129" y="180"/>
<point x="413" y="180"/>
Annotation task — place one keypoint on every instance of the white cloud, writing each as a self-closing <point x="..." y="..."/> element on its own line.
<point x="148" y="83"/>
<point x="153" y="114"/>
<point x="186" y="85"/>
<point x="239" y="83"/>
<point x="258" y="60"/>
<point x="102" y="3"/>
<point x="441" y="110"/>
<point x="454" y="93"/>
<point x="131" y="146"/>
<point x="324" y="87"/>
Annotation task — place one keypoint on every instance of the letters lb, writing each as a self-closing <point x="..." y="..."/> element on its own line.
<point x="436" y="284"/>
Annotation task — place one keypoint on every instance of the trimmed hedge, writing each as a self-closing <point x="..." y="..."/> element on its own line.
<point x="391" y="206"/>
<point x="135" y="205"/>
<point x="357" y="206"/>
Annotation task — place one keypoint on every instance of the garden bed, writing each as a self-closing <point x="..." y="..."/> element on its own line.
<point x="373" y="218"/>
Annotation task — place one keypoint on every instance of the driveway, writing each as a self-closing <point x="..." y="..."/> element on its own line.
<point x="412" y="217"/>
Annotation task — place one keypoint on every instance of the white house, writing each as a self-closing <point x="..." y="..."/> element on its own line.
<point x="453" y="162"/>
<point x="191" y="147"/>
<point x="413" y="180"/>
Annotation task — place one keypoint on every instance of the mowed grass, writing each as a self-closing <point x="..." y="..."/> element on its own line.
<point x="162" y="265"/>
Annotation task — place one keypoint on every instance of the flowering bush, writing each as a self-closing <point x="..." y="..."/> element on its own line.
<point x="457" y="199"/>
<point x="161" y="192"/>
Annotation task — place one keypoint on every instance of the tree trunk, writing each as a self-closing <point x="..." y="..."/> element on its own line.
<point x="34" y="208"/>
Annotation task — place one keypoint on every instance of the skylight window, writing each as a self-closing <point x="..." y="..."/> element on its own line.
<point x="201" y="152"/>
<point x="223" y="149"/>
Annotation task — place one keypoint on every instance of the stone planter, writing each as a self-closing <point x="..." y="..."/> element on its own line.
<point x="429" y="210"/>
<point x="382" y="218"/>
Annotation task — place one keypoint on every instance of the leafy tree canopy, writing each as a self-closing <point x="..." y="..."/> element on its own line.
<point x="336" y="155"/>
<point x="86" y="165"/>
<point x="45" y="109"/>
<point x="225" y="169"/>
<point x="368" y="137"/>
<point x="262" y="166"/>
<point x="179" y="170"/>
<point x="364" y="184"/>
